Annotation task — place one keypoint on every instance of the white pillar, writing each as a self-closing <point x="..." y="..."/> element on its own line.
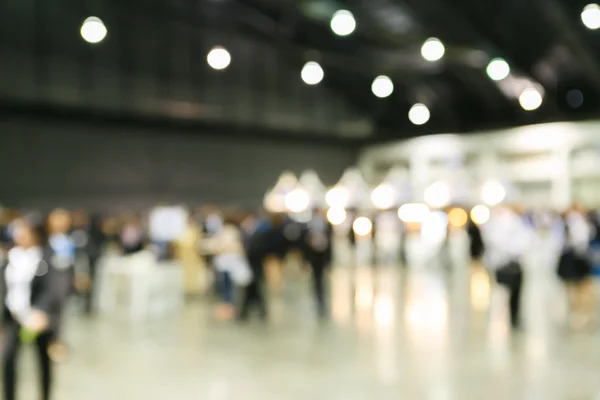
<point x="562" y="190"/>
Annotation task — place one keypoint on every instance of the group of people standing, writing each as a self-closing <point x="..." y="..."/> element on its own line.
<point x="243" y="245"/>
<point x="504" y="241"/>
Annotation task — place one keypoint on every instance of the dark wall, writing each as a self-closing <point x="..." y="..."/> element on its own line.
<point x="79" y="164"/>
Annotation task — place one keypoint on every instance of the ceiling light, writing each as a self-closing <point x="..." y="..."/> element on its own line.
<point x="312" y="73"/>
<point x="382" y="86"/>
<point x="343" y="23"/>
<point x="590" y="16"/>
<point x="530" y="99"/>
<point x="93" y="30"/>
<point x="498" y="69"/>
<point x="419" y="114"/>
<point x="433" y="49"/>
<point x="218" y="58"/>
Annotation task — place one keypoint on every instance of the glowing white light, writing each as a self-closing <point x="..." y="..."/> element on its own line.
<point x="590" y="16"/>
<point x="337" y="197"/>
<point x="297" y="200"/>
<point x="437" y="195"/>
<point x="493" y="193"/>
<point x="382" y="86"/>
<point x="419" y="114"/>
<point x="413" y="213"/>
<point x="312" y="73"/>
<point x="362" y="226"/>
<point x="435" y="227"/>
<point x="480" y="214"/>
<point x="343" y="23"/>
<point x="498" y="69"/>
<point x="433" y="49"/>
<point x="383" y="197"/>
<point x="336" y="215"/>
<point x="93" y="30"/>
<point x="530" y="99"/>
<point x="218" y="58"/>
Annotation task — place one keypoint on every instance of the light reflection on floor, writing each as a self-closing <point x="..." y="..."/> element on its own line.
<point x="425" y="332"/>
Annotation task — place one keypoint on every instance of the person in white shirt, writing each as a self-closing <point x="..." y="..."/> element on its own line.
<point x="507" y="238"/>
<point x="32" y="302"/>
<point x="230" y="262"/>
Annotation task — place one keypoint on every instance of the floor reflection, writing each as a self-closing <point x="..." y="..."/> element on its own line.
<point x="426" y="331"/>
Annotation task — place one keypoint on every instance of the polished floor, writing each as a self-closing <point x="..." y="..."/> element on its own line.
<point x="433" y="331"/>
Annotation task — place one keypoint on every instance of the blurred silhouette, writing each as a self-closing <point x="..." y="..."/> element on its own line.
<point x="506" y="240"/>
<point x="32" y="303"/>
<point x="575" y="269"/>
<point x="267" y="240"/>
<point x="317" y="249"/>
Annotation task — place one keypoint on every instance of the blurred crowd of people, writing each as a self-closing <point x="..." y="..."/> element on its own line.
<point x="48" y="259"/>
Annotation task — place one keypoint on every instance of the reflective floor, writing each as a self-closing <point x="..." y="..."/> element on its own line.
<point x="436" y="330"/>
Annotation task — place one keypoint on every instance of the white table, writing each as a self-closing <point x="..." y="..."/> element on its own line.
<point x="149" y="288"/>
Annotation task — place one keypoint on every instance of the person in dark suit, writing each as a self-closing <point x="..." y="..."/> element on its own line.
<point x="316" y="245"/>
<point x="476" y="246"/>
<point x="268" y="239"/>
<point x="32" y="302"/>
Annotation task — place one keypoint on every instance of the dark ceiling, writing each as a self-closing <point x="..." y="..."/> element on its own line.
<point x="152" y="65"/>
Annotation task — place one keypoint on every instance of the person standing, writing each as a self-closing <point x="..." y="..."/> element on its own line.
<point x="32" y="303"/>
<point x="507" y="239"/>
<point x="268" y="239"/>
<point x="317" y="249"/>
<point x="575" y="269"/>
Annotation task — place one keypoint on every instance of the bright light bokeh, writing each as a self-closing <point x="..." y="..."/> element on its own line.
<point x="458" y="217"/>
<point x="336" y="215"/>
<point x="362" y="226"/>
<point x="419" y="114"/>
<point x="312" y="73"/>
<point x="382" y="86"/>
<point x="413" y="213"/>
<point x="433" y="49"/>
<point x="437" y="195"/>
<point x="218" y="58"/>
<point x="297" y="200"/>
<point x="493" y="193"/>
<point x="530" y="99"/>
<point x="275" y="202"/>
<point x="434" y="227"/>
<point x="93" y="30"/>
<point x="337" y="197"/>
<point x="590" y="16"/>
<point x="383" y="197"/>
<point x="498" y="69"/>
<point x="480" y="214"/>
<point x="343" y="23"/>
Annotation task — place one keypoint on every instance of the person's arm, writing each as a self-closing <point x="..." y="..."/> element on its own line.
<point x="49" y="300"/>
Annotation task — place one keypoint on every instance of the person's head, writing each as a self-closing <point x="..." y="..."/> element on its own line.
<point x="59" y="221"/>
<point x="29" y="232"/>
